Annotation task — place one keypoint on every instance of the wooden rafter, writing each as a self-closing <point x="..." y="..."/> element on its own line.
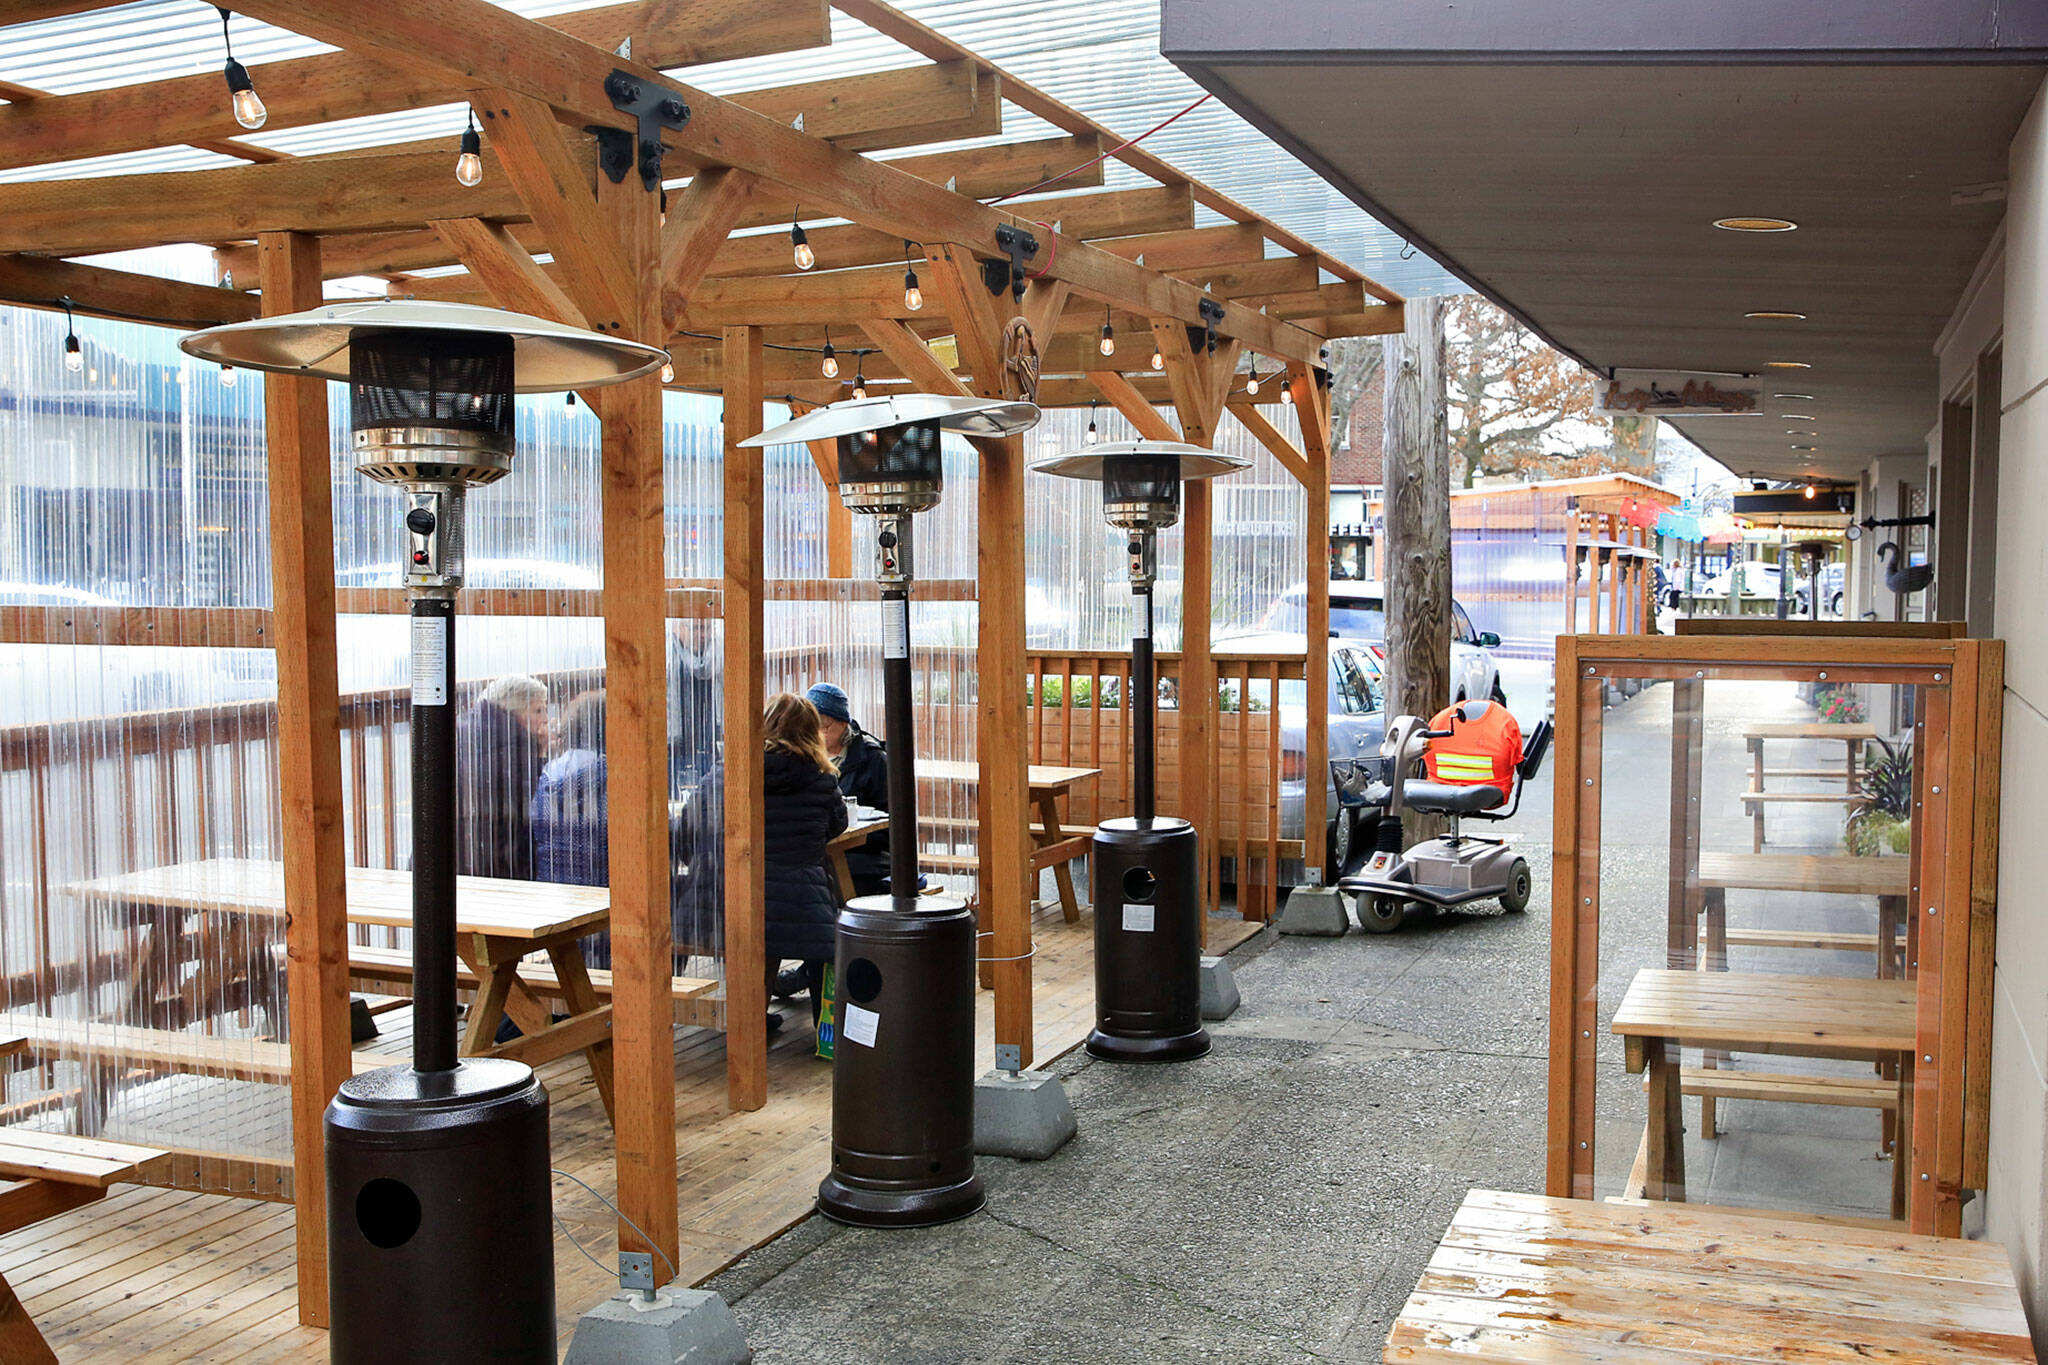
<point x="96" y="291"/>
<point x="515" y="280"/>
<point x="696" y="228"/>
<point x="555" y="183"/>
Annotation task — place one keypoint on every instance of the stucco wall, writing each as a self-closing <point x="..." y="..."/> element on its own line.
<point x="2015" y="1210"/>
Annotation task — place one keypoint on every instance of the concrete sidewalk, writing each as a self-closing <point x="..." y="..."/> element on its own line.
<point x="1275" y="1201"/>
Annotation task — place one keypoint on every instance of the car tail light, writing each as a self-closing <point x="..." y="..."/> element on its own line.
<point x="1293" y="766"/>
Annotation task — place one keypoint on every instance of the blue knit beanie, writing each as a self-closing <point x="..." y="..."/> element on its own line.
<point x="831" y="702"/>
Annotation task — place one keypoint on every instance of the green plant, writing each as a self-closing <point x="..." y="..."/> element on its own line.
<point x="1838" y="706"/>
<point x="1884" y="822"/>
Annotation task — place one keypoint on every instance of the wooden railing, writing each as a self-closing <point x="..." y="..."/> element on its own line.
<point x="1078" y="717"/>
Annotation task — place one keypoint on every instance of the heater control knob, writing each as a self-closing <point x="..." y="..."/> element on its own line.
<point x="887" y="540"/>
<point x="420" y="521"/>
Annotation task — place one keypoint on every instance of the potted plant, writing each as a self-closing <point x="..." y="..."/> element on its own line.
<point x="1883" y="823"/>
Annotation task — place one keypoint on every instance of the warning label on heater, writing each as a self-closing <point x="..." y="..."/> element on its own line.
<point x="429" y="661"/>
<point x="895" y="628"/>
<point x="1138" y="918"/>
<point x="859" y="1025"/>
<point x="1141" y="625"/>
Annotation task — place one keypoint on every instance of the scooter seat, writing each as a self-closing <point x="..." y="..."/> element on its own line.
<point x="1450" y="798"/>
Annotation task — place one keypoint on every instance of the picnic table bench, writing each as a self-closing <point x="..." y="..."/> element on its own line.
<point x="1759" y="795"/>
<point x="1522" y="1278"/>
<point x="1853" y="1018"/>
<point x="1890" y="880"/>
<point x="1055" y="844"/>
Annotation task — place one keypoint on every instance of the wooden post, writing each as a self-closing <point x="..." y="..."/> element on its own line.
<point x="636" y="750"/>
<point x="746" y="694"/>
<point x="1005" y="795"/>
<point x="1312" y="410"/>
<point x="1571" y="569"/>
<point x="309" y="753"/>
<point x="1418" y="477"/>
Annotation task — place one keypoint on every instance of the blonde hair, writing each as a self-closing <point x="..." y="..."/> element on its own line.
<point x="791" y="727"/>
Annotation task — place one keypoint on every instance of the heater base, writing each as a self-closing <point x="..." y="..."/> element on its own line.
<point x="1148" y="942"/>
<point x="903" y="1065"/>
<point x="440" y="1232"/>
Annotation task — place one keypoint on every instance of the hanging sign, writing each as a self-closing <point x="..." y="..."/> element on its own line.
<point x="1660" y="393"/>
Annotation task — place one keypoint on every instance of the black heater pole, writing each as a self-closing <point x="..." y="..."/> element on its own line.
<point x="896" y="718"/>
<point x="1144" y="703"/>
<point x="433" y="832"/>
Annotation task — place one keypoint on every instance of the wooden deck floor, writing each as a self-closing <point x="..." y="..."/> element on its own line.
<point x="170" y="1275"/>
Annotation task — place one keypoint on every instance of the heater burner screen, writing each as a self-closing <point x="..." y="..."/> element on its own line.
<point x="907" y="454"/>
<point x="406" y="378"/>
<point x="1142" y="478"/>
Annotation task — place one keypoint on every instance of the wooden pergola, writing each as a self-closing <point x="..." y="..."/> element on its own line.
<point x="663" y="266"/>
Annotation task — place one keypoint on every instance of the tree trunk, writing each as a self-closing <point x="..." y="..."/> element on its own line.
<point x="1418" y="502"/>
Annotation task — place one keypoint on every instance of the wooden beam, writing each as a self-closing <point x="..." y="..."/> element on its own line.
<point x="1418" y="502"/>
<point x="349" y="84"/>
<point x="924" y="370"/>
<point x="515" y="280"/>
<point x="698" y="221"/>
<point x="1186" y="380"/>
<point x="557" y="187"/>
<point x="899" y="108"/>
<point x="1187" y="248"/>
<point x="1004" y="803"/>
<point x="1269" y="436"/>
<point x="978" y="319"/>
<point x="488" y="45"/>
<point x="636" y="741"/>
<point x="1373" y="322"/>
<point x="309" y="756"/>
<point x="746" y="696"/>
<point x="95" y="291"/>
<point x="1136" y="407"/>
<point x="1281" y="275"/>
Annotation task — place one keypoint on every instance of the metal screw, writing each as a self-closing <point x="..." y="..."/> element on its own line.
<point x="1923" y="1175"/>
<point x="1937" y="791"/>
<point x="1823" y="676"/>
<point x="1582" y="1147"/>
<point x="1585" y="1033"/>
<point x="1927" y="1059"/>
<point x="1589" y="670"/>
<point x="1589" y="781"/>
<point x="1937" y="678"/>
<point x="1700" y="673"/>
<point x="1932" y="911"/>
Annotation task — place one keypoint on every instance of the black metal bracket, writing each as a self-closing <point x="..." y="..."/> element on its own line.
<point x="1872" y="523"/>
<point x="654" y="109"/>
<point x="1020" y="246"/>
<point x="1203" y="338"/>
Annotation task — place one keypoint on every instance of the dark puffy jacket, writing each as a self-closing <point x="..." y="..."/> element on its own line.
<point x="864" y="775"/>
<point x="497" y="768"/>
<point x="804" y="811"/>
<point x="570" y="837"/>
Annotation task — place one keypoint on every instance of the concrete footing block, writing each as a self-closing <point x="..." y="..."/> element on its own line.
<point x="1315" y="910"/>
<point x="679" y="1327"/>
<point x="1219" y="989"/>
<point x="1021" y="1115"/>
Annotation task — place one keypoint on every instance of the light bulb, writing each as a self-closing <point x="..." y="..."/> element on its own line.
<point x="913" y="297"/>
<point x="92" y="375"/>
<point x="469" y="165"/>
<point x="569" y="399"/>
<point x="1108" y="344"/>
<point x="1810" y="491"/>
<point x="668" y="372"/>
<point x="800" y="244"/>
<point x="1252" y="385"/>
<point x="1158" y="361"/>
<point x="1287" y="393"/>
<point x="74" y="358"/>
<point x="860" y="386"/>
<point x="227" y="377"/>
<point x="829" y="365"/>
<point x="242" y="96"/>
<point x="1092" y="437"/>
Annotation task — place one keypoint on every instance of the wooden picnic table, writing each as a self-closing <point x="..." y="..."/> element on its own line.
<point x="1054" y="843"/>
<point x="1759" y="795"/>
<point x="1889" y="880"/>
<point x="852" y="837"/>
<point x="1854" y="1018"/>
<point x="498" y="922"/>
<point x="1521" y="1278"/>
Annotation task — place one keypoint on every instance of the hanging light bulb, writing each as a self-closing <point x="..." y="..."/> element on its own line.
<point x="569" y="400"/>
<point x="74" y="355"/>
<point x="227" y="376"/>
<point x="668" y="369"/>
<point x="1093" y="436"/>
<point x="664" y="208"/>
<point x="860" y="382"/>
<point x="828" y="364"/>
<point x="1158" y="360"/>
<point x="469" y="165"/>
<point x="913" y="297"/>
<point x="247" y="104"/>
<point x="800" y="246"/>
<point x="1286" y="392"/>
<point x="1809" y="492"/>
<point x="1252" y="385"/>
<point x="1108" y="346"/>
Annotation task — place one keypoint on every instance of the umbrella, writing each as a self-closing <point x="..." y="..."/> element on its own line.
<point x="1678" y="526"/>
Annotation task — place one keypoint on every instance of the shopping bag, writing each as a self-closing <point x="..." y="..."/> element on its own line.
<point x="826" y="1032"/>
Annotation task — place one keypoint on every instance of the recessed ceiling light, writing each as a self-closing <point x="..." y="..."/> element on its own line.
<point x="1771" y="315"/>
<point x="1806" y="447"/>
<point x="1795" y="431"/>
<point x="1794" y="397"/>
<point x="1787" y="365"/>
<point x="1755" y="224"/>
<point x="1797" y="417"/>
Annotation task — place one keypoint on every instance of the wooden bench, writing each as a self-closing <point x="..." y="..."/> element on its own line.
<point x="1758" y="798"/>
<point x="1523" y="1277"/>
<point x="53" y="1173"/>
<point x="135" y="1047"/>
<point x="696" y="999"/>
<point x="1787" y="1088"/>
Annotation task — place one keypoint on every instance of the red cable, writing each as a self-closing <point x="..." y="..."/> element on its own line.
<point x="1054" y="180"/>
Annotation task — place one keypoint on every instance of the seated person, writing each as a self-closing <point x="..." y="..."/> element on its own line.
<point x="500" y="743"/>
<point x="863" y="766"/>
<point x="570" y="839"/>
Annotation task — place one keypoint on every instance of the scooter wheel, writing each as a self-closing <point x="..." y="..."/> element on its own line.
<point x="1515" y="899"/>
<point x="1380" y="914"/>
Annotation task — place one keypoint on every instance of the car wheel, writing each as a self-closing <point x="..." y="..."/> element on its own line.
<point x="1380" y="914"/>
<point x="1515" y="899"/>
<point x="1835" y="604"/>
<point x="1343" y="839"/>
<point x="1500" y="698"/>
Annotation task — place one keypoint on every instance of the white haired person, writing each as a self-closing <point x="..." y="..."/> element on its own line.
<point x="500" y="743"/>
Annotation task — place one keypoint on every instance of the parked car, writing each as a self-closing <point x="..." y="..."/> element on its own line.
<point x="1758" y="580"/>
<point x="1355" y="696"/>
<point x="1358" y="613"/>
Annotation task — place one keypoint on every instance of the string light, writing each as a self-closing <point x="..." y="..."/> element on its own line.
<point x="247" y="104"/>
<point x="227" y="376"/>
<point x="913" y="297"/>
<point x="469" y="165"/>
<point x="74" y="355"/>
<point x="569" y="399"/>
<point x="1252" y="385"/>
<point x="1158" y="360"/>
<point x="860" y="380"/>
<point x="1093" y="436"/>
<point x="1108" y="346"/>
<point x="1810" y="492"/>
<point x="1286" y="391"/>
<point x="828" y="365"/>
<point x="668" y="368"/>
<point x="800" y="246"/>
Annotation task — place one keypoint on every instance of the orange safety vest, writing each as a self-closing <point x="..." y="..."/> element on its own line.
<point x="1483" y="749"/>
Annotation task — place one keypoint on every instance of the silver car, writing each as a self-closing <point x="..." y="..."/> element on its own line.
<point x="1358" y="613"/>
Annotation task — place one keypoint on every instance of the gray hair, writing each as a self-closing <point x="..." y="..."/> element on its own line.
<point x="515" y="692"/>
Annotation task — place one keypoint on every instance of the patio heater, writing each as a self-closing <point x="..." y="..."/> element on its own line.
<point x="439" y="1216"/>
<point x="903" y="1064"/>
<point x="1147" y="867"/>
